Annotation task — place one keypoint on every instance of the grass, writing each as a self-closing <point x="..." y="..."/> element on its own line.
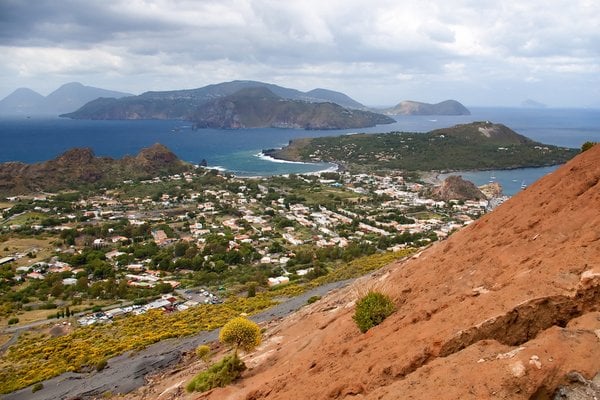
<point x="44" y="247"/>
<point x="26" y="317"/>
<point x="27" y="218"/>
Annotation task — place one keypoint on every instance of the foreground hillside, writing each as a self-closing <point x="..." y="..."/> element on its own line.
<point x="506" y="308"/>
<point x="78" y="167"/>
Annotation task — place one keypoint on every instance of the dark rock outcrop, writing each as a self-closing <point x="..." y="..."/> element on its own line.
<point x="455" y="187"/>
<point x="79" y="167"/>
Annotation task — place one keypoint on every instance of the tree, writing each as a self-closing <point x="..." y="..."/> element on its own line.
<point x="241" y="333"/>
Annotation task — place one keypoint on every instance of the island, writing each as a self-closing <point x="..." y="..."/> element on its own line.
<point x="239" y="104"/>
<point x="408" y="107"/>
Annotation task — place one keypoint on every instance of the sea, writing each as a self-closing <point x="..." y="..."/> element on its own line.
<point x="33" y="139"/>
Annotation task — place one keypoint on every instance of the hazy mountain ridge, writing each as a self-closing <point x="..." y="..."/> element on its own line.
<point x="80" y="166"/>
<point x="447" y="107"/>
<point x="66" y="98"/>
<point x="183" y="104"/>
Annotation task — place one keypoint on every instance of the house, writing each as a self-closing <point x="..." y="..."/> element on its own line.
<point x="160" y="237"/>
<point x="5" y="260"/>
<point x="279" y="280"/>
<point x="35" y="275"/>
<point x="69" y="281"/>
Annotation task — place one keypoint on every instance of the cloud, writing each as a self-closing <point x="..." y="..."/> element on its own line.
<point x="398" y="48"/>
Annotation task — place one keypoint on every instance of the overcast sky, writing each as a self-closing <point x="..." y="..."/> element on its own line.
<point x="379" y="52"/>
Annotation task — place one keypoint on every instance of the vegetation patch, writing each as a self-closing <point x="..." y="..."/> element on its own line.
<point x="372" y="309"/>
<point x="239" y="333"/>
<point x="37" y="357"/>
<point x="219" y="374"/>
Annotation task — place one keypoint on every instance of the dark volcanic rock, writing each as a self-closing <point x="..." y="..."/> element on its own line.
<point x="77" y="167"/>
<point x="456" y="188"/>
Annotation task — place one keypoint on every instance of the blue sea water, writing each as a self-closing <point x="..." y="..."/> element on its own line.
<point x="37" y="139"/>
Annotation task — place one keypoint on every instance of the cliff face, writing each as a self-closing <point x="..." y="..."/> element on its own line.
<point x="506" y="308"/>
<point x="78" y="167"/>
<point x="260" y="108"/>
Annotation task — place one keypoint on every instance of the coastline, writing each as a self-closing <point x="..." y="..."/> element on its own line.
<point x="328" y="167"/>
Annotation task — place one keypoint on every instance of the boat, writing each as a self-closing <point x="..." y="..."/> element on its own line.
<point x="523" y="185"/>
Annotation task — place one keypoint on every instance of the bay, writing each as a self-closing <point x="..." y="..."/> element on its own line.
<point x="38" y="139"/>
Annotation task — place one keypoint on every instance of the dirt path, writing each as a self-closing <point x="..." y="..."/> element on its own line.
<point x="127" y="372"/>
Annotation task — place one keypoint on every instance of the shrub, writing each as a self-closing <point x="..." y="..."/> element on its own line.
<point x="587" y="146"/>
<point x="203" y="352"/>
<point x="218" y="375"/>
<point x="372" y="309"/>
<point x="252" y="290"/>
<point x="13" y="321"/>
<point x="100" y="365"/>
<point x="312" y="299"/>
<point x="241" y="333"/>
<point x="37" y="387"/>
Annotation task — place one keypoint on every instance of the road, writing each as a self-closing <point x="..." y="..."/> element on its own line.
<point x="126" y="372"/>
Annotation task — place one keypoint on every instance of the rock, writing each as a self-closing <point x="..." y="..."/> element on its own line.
<point x="455" y="187"/>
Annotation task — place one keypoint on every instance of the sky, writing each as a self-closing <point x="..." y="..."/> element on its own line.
<point x="379" y="52"/>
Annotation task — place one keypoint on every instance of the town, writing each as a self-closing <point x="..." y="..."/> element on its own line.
<point x="144" y="244"/>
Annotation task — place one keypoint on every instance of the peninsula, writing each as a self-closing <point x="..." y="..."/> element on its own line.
<point x="476" y="146"/>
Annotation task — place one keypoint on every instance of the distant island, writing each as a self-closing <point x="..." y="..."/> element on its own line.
<point x="474" y="146"/>
<point x="529" y="103"/>
<point x="261" y="108"/>
<point x="448" y="107"/>
<point x="239" y="104"/>
<point x="182" y="104"/>
<point x="66" y="98"/>
<point x="78" y="167"/>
